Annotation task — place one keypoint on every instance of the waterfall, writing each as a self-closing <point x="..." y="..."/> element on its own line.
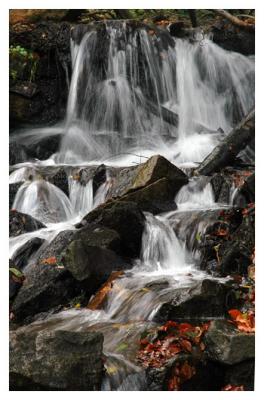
<point x="134" y="94"/>
<point x="120" y="88"/>
<point x="81" y="197"/>
<point x="196" y="195"/>
<point x="161" y="251"/>
<point x="43" y="201"/>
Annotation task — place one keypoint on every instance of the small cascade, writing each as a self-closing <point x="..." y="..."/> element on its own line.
<point x="81" y="197"/>
<point x="196" y="195"/>
<point x="134" y="94"/>
<point x="43" y="201"/>
<point x="161" y="251"/>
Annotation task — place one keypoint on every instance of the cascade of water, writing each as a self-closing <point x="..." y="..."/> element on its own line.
<point x="43" y="201"/>
<point x="196" y="195"/>
<point x="123" y="79"/>
<point x="107" y="108"/>
<point x="161" y="251"/>
<point x="81" y="197"/>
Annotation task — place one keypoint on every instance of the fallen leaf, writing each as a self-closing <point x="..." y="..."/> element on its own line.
<point x="49" y="261"/>
<point x="233" y="388"/>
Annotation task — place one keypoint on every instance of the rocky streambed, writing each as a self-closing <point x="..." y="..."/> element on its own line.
<point x="131" y="233"/>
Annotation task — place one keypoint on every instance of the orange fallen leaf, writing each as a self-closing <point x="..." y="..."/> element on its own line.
<point x="49" y="261"/>
<point x="233" y="388"/>
<point x="186" y="345"/>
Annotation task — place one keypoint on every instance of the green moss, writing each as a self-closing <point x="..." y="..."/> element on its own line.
<point x="23" y="63"/>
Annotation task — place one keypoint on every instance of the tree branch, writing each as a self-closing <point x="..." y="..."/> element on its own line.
<point x="234" y="20"/>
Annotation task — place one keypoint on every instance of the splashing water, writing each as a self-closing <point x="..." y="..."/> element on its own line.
<point x="128" y="88"/>
<point x="124" y="83"/>
<point x="196" y="195"/>
<point x="43" y="201"/>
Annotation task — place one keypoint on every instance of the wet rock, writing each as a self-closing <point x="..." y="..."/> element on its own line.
<point x="60" y="179"/>
<point x="13" y="188"/>
<point x="91" y="258"/>
<point x="235" y="254"/>
<point x="202" y="230"/>
<point x="203" y="300"/>
<point x="157" y="167"/>
<point x="246" y="192"/>
<point x="98" y="174"/>
<point x="49" y="44"/>
<point x="45" y="147"/>
<point x="155" y="198"/>
<point x="17" y="153"/>
<point x="229" y="37"/>
<point x="151" y="185"/>
<point x="23" y="254"/>
<point x="228" y="345"/>
<point x="221" y="184"/>
<point x="46" y="360"/>
<point x="16" y="279"/>
<point x="21" y="223"/>
<point x="46" y="285"/>
<point x="125" y="218"/>
<point x="241" y="374"/>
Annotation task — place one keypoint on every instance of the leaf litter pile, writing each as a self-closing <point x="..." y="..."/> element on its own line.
<point x="171" y="339"/>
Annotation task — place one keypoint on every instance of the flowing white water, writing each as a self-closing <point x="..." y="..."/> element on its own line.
<point x="196" y="195"/>
<point x="120" y="86"/>
<point x="123" y="79"/>
<point x="43" y="201"/>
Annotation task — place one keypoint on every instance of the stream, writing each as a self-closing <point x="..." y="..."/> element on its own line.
<point x="108" y="121"/>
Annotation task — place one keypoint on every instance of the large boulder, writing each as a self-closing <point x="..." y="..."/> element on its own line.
<point x="22" y="254"/>
<point x="153" y="185"/>
<point x="125" y="218"/>
<point x="203" y="300"/>
<point x="226" y="344"/>
<point x="91" y="256"/>
<point x="60" y="179"/>
<point x="21" y="223"/>
<point x="157" y="167"/>
<point x="55" y="360"/>
<point x="229" y="37"/>
<point x="48" y="284"/>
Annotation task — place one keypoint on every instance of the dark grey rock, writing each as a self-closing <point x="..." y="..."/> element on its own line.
<point x="55" y="360"/>
<point x="23" y="254"/>
<point x="21" y="223"/>
<point x="202" y="300"/>
<point x="125" y="218"/>
<point x="228" y="345"/>
<point x="46" y="286"/>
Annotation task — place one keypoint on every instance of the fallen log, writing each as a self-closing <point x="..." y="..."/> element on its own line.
<point x="234" y="20"/>
<point x="225" y="153"/>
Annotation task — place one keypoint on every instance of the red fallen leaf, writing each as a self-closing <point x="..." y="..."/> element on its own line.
<point x="221" y="232"/>
<point x="234" y="313"/>
<point x="144" y="342"/>
<point x="174" y="349"/>
<point x="13" y="210"/>
<point x="49" y="261"/>
<point x="185" y="326"/>
<point x="244" y="322"/>
<point x="169" y="324"/>
<point x="187" y="371"/>
<point x="186" y="345"/>
<point x="233" y="388"/>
